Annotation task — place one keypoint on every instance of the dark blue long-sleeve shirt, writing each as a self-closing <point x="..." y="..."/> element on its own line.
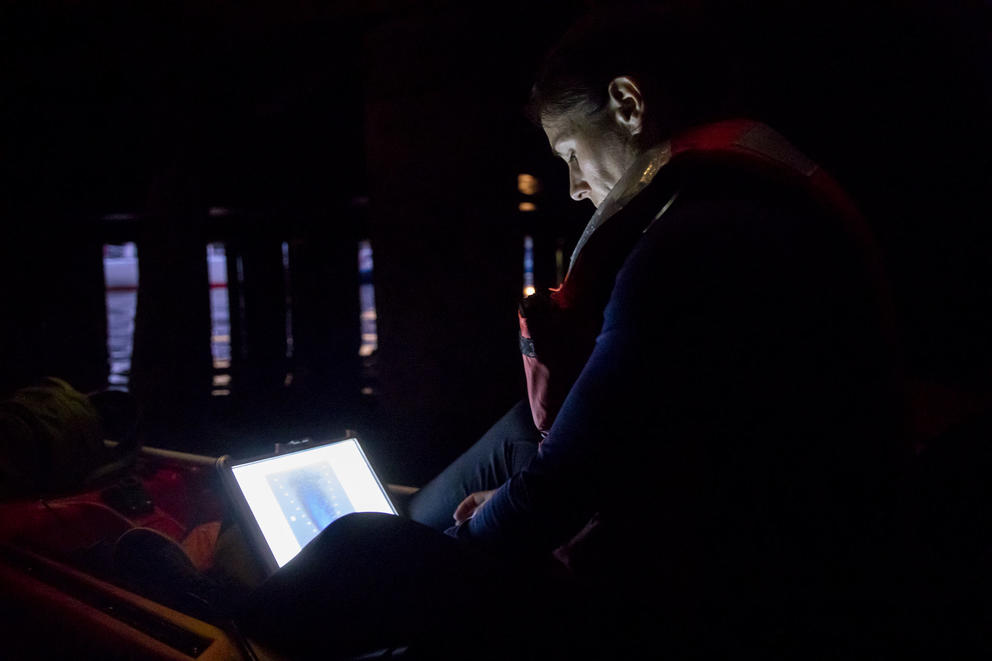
<point x="738" y="400"/>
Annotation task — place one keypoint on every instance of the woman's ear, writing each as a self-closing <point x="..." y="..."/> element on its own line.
<point x="627" y="104"/>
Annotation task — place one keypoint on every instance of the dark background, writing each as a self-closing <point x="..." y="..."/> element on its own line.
<point x="319" y="124"/>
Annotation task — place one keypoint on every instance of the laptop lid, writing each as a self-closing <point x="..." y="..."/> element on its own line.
<point x="283" y="501"/>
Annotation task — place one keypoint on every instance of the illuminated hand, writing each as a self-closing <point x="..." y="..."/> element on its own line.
<point x="468" y="507"/>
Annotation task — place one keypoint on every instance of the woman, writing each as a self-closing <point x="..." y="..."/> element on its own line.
<point x="574" y="82"/>
<point x="714" y="379"/>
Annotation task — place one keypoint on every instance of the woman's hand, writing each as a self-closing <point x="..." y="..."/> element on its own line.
<point x="468" y="507"/>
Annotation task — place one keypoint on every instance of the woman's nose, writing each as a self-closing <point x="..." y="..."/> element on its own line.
<point x="578" y="187"/>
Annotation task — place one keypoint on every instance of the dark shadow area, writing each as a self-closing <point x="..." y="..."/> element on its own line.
<point x="401" y="123"/>
<point x="243" y="154"/>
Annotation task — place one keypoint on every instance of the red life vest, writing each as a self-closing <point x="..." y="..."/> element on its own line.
<point x="558" y="329"/>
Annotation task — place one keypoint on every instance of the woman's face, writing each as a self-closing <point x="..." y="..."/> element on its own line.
<point x="596" y="149"/>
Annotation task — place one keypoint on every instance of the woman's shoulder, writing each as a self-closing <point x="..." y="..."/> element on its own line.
<point x="714" y="224"/>
<point x="706" y="203"/>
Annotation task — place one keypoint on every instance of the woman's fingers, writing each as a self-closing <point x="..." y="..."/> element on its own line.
<point x="466" y="509"/>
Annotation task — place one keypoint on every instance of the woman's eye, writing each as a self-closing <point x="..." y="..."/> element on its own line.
<point x="571" y="157"/>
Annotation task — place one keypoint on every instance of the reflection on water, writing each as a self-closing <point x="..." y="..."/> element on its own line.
<point x="120" y="265"/>
<point x="220" y="318"/>
<point x="529" y="265"/>
<point x="120" y="344"/>
<point x="120" y="273"/>
<point x="366" y="297"/>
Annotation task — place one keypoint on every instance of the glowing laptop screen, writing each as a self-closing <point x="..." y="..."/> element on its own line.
<point x="294" y="496"/>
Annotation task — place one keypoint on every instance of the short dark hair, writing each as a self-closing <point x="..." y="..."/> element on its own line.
<point x="672" y="51"/>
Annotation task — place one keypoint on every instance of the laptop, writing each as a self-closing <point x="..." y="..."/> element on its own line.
<point x="283" y="500"/>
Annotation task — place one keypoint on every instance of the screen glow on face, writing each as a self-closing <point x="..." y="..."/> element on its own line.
<point x="295" y="496"/>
